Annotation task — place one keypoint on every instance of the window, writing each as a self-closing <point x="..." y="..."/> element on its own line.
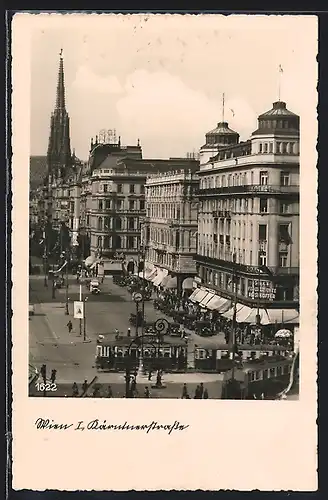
<point x="119" y="188"/>
<point x="284" y="208"/>
<point x="283" y="259"/>
<point x="100" y="223"/>
<point x="264" y="178"/>
<point x="278" y="146"/>
<point x="142" y="204"/>
<point x="284" y="179"/>
<point x="88" y="220"/>
<point x="118" y="223"/>
<point x="105" y="188"/>
<point x="263" y="205"/>
<point x="131" y="223"/>
<point x="119" y="204"/>
<point x="100" y="205"/>
<point x="262" y="232"/>
<point x="107" y="204"/>
<point x="117" y="242"/>
<point x="270" y="147"/>
<point x="131" y="205"/>
<point x="260" y="147"/>
<point x="106" y="242"/>
<point x="131" y="188"/>
<point x="284" y="235"/>
<point x="284" y="148"/>
<point x="130" y="242"/>
<point x="142" y="189"/>
<point x="265" y="147"/>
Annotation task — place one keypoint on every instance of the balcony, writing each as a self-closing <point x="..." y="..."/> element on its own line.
<point x="250" y="188"/>
<point x="221" y="214"/>
<point x="285" y="271"/>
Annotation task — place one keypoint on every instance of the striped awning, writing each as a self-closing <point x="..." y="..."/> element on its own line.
<point x="194" y="294"/>
<point x="229" y="314"/>
<point x="214" y="302"/>
<point x="206" y="299"/>
<point x="201" y="295"/>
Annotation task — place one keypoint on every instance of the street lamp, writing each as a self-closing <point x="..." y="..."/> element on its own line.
<point x="84" y="320"/>
<point x="66" y="305"/>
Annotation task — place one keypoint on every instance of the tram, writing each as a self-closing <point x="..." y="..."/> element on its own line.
<point x="267" y="378"/>
<point x="168" y="354"/>
<point x="214" y="357"/>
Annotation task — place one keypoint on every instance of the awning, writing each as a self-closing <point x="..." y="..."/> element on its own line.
<point x="206" y="299"/>
<point x="113" y="265"/>
<point x="201" y="294"/>
<point x="194" y="294"/>
<point x="214" y="302"/>
<point x="223" y="306"/>
<point x="251" y="318"/>
<point x="187" y="284"/>
<point x="229" y="314"/>
<point x="170" y="282"/>
<point x="282" y="316"/>
<point x="162" y="273"/>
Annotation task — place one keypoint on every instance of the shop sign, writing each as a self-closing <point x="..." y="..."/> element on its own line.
<point x="263" y="290"/>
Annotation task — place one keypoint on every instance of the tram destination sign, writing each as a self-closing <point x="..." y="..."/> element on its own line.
<point x="263" y="290"/>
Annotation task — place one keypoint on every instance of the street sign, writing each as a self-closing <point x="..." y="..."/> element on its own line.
<point x="137" y="296"/>
<point x="78" y="310"/>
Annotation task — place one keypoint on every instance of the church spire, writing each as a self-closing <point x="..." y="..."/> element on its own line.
<point x="59" y="147"/>
<point x="60" y="99"/>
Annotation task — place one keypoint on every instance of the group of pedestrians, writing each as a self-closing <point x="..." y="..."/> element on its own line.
<point x="200" y="392"/>
<point x="96" y="393"/>
<point x="43" y="372"/>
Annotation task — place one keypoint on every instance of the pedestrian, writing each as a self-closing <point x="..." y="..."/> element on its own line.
<point x="133" y="386"/>
<point x="159" y="379"/>
<point x="75" y="390"/>
<point x="149" y="374"/>
<point x="109" y="392"/>
<point x="117" y="334"/>
<point x="205" y="396"/>
<point x="147" y="393"/>
<point x="201" y="390"/>
<point x="69" y="326"/>
<point x="129" y="332"/>
<point x="197" y="390"/>
<point x="84" y="385"/>
<point x="53" y="376"/>
<point x="184" y="392"/>
<point x="43" y="372"/>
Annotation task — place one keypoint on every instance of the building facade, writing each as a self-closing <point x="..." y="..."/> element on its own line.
<point x="249" y="211"/>
<point x="112" y="200"/>
<point x="170" y="233"/>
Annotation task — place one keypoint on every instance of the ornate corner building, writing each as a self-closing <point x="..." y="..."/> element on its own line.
<point x="249" y="212"/>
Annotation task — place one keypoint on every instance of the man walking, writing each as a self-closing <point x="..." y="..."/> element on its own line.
<point x="69" y="326"/>
<point x="53" y="376"/>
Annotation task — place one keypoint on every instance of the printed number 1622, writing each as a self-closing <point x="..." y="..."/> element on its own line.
<point x="45" y="387"/>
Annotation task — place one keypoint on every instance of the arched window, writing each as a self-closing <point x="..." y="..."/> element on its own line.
<point x="99" y="242"/>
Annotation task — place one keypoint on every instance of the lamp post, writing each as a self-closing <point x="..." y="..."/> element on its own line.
<point x="66" y="305"/>
<point x="84" y="320"/>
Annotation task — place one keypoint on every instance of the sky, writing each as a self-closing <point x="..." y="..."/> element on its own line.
<point x="160" y="78"/>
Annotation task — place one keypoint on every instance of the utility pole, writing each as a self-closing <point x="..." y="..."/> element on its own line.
<point x="80" y="320"/>
<point x="66" y="305"/>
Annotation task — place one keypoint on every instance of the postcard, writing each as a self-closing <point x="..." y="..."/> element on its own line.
<point x="164" y="248"/>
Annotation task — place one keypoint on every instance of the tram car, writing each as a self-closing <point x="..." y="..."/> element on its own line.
<point x="215" y="357"/>
<point x="168" y="354"/>
<point x="266" y="379"/>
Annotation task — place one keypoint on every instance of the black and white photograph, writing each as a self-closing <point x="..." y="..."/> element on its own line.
<point x="164" y="210"/>
<point x="164" y="249"/>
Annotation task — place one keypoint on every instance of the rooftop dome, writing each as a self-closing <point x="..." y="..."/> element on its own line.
<point x="278" y="109"/>
<point x="222" y="128"/>
<point x="221" y="136"/>
<point x="278" y="120"/>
